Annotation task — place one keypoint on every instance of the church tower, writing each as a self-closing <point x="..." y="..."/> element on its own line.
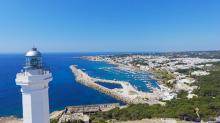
<point x="34" y="81"/>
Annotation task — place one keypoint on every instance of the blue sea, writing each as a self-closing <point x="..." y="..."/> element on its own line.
<point x="64" y="90"/>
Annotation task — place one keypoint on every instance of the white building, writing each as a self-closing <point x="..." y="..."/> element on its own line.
<point x="200" y="73"/>
<point x="34" y="81"/>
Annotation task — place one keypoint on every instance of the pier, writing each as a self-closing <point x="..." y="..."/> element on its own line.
<point x="127" y="94"/>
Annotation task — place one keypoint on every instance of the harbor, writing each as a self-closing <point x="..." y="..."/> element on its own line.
<point x="127" y="94"/>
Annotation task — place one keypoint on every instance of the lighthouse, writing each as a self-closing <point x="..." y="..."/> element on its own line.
<point x="34" y="80"/>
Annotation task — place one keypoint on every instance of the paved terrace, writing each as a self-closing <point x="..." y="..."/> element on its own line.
<point x="91" y="108"/>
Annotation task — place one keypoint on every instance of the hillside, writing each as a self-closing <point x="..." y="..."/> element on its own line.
<point x="205" y="107"/>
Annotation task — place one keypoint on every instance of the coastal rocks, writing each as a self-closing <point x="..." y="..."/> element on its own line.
<point x="80" y="113"/>
<point x="10" y="120"/>
<point x="66" y="116"/>
<point x="162" y="120"/>
<point x="56" y="115"/>
<point x="80" y="117"/>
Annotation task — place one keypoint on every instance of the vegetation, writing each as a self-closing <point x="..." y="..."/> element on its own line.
<point x="165" y="76"/>
<point x="184" y="71"/>
<point x="187" y="71"/>
<point x="54" y="121"/>
<point x="206" y="106"/>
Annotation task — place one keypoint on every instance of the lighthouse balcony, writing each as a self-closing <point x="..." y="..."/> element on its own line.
<point x="25" y="78"/>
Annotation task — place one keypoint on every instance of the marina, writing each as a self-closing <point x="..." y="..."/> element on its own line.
<point x="127" y="93"/>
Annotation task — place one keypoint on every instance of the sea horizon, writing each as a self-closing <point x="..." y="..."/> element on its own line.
<point x="108" y="52"/>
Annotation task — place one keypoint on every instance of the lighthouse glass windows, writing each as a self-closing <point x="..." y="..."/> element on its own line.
<point x="34" y="62"/>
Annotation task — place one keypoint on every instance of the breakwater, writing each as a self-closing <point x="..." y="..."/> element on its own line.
<point x="127" y="94"/>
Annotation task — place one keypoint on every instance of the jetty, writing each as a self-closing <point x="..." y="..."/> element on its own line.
<point x="128" y="94"/>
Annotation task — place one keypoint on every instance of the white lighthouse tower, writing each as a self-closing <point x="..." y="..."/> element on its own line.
<point x="34" y="81"/>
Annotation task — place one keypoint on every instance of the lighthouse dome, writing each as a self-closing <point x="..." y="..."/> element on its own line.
<point x="33" y="53"/>
<point x="33" y="59"/>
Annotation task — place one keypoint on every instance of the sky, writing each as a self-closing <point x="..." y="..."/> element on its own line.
<point x="109" y="25"/>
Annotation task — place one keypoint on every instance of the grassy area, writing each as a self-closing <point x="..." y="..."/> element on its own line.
<point x="207" y="104"/>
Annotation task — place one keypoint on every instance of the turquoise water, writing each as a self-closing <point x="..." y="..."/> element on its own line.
<point x="64" y="90"/>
